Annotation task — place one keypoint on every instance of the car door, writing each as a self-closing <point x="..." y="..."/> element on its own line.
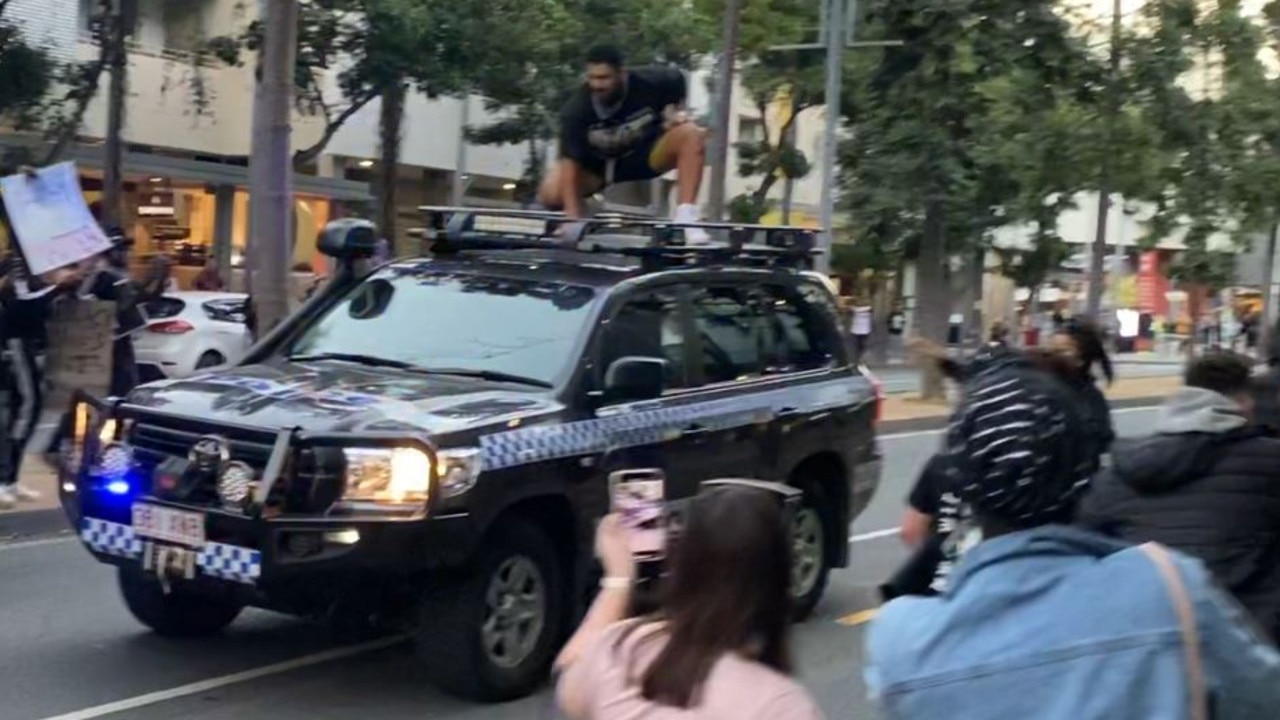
<point x="729" y="412"/>
<point x="820" y="410"/>
<point x="650" y="322"/>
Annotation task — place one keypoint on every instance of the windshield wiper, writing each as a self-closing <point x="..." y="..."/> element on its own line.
<point x="370" y="360"/>
<point x="493" y="375"/>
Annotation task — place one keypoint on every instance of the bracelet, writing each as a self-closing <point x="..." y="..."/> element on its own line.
<point x="615" y="583"/>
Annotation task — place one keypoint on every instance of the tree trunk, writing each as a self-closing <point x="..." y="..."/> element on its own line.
<point x="1265" y="324"/>
<point x="113" y="148"/>
<point x="973" y="317"/>
<point x="881" y="306"/>
<point x="933" y="300"/>
<point x="270" y="169"/>
<point x="390" y="121"/>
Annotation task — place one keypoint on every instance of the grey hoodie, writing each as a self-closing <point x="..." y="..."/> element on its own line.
<point x="1196" y="410"/>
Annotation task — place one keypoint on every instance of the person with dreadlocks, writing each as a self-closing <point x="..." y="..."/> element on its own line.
<point x="1081" y="342"/>
<point x="1042" y="620"/>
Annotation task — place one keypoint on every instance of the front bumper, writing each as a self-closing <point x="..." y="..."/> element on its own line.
<point x="258" y="545"/>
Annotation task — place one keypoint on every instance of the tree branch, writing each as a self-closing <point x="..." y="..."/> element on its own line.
<point x="90" y="80"/>
<point x="306" y="155"/>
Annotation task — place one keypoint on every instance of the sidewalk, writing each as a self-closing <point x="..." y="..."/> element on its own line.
<point x="902" y="407"/>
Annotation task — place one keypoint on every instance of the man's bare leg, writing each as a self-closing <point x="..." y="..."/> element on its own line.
<point x="683" y="147"/>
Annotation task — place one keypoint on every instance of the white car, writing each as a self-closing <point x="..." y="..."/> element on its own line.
<point x="190" y="331"/>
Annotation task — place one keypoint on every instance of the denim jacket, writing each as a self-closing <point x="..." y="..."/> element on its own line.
<point x="1060" y="624"/>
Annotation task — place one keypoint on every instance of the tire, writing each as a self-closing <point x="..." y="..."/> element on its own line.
<point x="457" y="624"/>
<point x="176" y="615"/>
<point x="810" y="556"/>
<point x="211" y="358"/>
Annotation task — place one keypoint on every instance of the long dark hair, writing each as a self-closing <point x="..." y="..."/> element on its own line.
<point x="1093" y="351"/>
<point x="728" y="591"/>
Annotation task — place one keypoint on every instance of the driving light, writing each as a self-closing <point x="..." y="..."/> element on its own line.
<point x="108" y="432"/>
<point x="235" y="484"/>
<point x="392" y="475"/>
<point x="459" y="470"/>
<point x="118" y="487"/>
<point x="115" y="462"/>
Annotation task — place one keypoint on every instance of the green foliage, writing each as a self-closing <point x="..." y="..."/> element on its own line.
<point x="27" y="75"/>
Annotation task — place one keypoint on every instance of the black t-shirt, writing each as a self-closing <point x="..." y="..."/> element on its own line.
<point x="634" y="123"/>
<point x="926" y="496"/>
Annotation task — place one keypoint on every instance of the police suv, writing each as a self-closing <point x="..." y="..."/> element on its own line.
<point x="425" y="445"/>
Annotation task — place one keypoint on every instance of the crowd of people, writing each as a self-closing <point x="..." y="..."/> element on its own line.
<point x="1055" y="570"/>
<point x="27" y="304"/>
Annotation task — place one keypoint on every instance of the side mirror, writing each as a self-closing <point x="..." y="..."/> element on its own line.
<point x="635" y="378"/>
<point x="348" y="239"/>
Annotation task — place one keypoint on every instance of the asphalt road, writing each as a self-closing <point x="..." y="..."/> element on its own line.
<point x="69" y="650"/>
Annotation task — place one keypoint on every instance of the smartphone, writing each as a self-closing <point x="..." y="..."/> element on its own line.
<point x="638" y="498"/>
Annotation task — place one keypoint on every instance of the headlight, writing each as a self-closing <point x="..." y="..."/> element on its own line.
<point x="459" y="470"/>
<point x="236" y="484"/>
<point x="392" y="475"/>
<point x="108" y="432"/>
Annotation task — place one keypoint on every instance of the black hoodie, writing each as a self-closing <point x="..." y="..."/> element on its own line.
<point x="1206" y="483"/>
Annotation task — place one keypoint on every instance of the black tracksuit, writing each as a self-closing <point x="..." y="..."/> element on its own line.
<point x="24" y="309"/>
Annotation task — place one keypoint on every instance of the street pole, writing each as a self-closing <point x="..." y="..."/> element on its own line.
<point x="460" y="161"/>
<point x="115" y="35"/>
<point x="831" y="143"/>
<point x="271" y="167"/>
<point x="1093" y="305"/>
<point x="723" y="110"/>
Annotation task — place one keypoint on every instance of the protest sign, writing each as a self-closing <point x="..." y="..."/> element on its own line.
<point x="49" y="215"/>
<point x="80" y="338"/>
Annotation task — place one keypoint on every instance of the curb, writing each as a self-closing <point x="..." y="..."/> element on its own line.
<point x="937" y="422"/>
<point x="29" y="524"/>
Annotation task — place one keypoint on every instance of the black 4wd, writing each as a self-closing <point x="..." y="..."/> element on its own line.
<point x="426" y="444"/>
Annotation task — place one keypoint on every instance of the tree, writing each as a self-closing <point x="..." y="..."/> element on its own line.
<point x="529" y="86"/>
<point x="919" y="167"/>
<point x="782" y="85"/>
<point x="27" y="75"/>
<point x="270" y="173"/>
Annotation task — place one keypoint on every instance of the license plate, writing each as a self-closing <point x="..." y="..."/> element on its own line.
<point x="175" y="526"/>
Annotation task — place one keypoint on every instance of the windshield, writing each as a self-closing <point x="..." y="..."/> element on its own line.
<point x="454" y="321"/>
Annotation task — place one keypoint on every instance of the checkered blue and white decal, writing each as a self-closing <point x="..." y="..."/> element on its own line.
<point x="657" y="420"/>
<point x="228" y="562"/>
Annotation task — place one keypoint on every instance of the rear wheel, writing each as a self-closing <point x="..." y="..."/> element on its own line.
<point x="175" y="614"/>
<point x="490" y="634"/>
<point x="810" y="563"/>
<point x="211" y="358"/>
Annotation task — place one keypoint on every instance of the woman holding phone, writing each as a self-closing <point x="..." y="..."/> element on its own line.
<point x="718" y="648"/>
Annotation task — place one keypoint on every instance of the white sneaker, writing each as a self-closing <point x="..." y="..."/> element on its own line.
<point x="690" y="214"/>
<point x="26" y="494"/>
<point x="8" y="498"/>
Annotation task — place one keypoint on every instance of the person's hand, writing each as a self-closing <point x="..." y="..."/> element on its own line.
<point x="66" y="277"/>
<point x="673" y="115"/>
<point x="613" y="548"/>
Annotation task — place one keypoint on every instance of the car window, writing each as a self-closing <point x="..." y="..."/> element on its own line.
<point x="437" y="319"/>
<point x="800" y="334"/>
<point x="732" y="324"/>
<point x="648" y="325"/>
<point x="163" y="307"/>
<point x="226" y="310"/>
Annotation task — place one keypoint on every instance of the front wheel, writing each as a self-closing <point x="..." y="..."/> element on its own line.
<point x="810" y="561"/>
<point x="490" y="634"/>
<point x="175" y="614"/>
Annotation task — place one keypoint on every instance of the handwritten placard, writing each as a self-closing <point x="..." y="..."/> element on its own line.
<point x="80" y="337"/>
<point x="51" y="219"/>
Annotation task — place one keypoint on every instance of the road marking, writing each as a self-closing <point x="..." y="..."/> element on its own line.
<point x="939" y="431"/>
<point x="873" y="535"/>
<point x="858" y="618"/>
<point x="202" y="686"/>
<point x="21" y="544"/>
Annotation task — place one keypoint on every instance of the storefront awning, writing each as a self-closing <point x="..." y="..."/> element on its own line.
<point x="204" y="172"/>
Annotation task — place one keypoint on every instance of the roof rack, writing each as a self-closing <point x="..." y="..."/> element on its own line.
<point x="658" y="243"/>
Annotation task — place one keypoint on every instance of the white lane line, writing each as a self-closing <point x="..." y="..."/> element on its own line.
<point x="939" y="431"/>
<point x="20" y="545"/>
<point x="873" y="535"/>
<point x="202" y="686"/>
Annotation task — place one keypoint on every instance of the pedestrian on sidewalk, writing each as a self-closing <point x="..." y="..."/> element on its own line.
<point x="1042" y="620"/>
<point x="719" y="647"/>
<point x="860" y="329"/>
<point x="1205" y="484"/>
